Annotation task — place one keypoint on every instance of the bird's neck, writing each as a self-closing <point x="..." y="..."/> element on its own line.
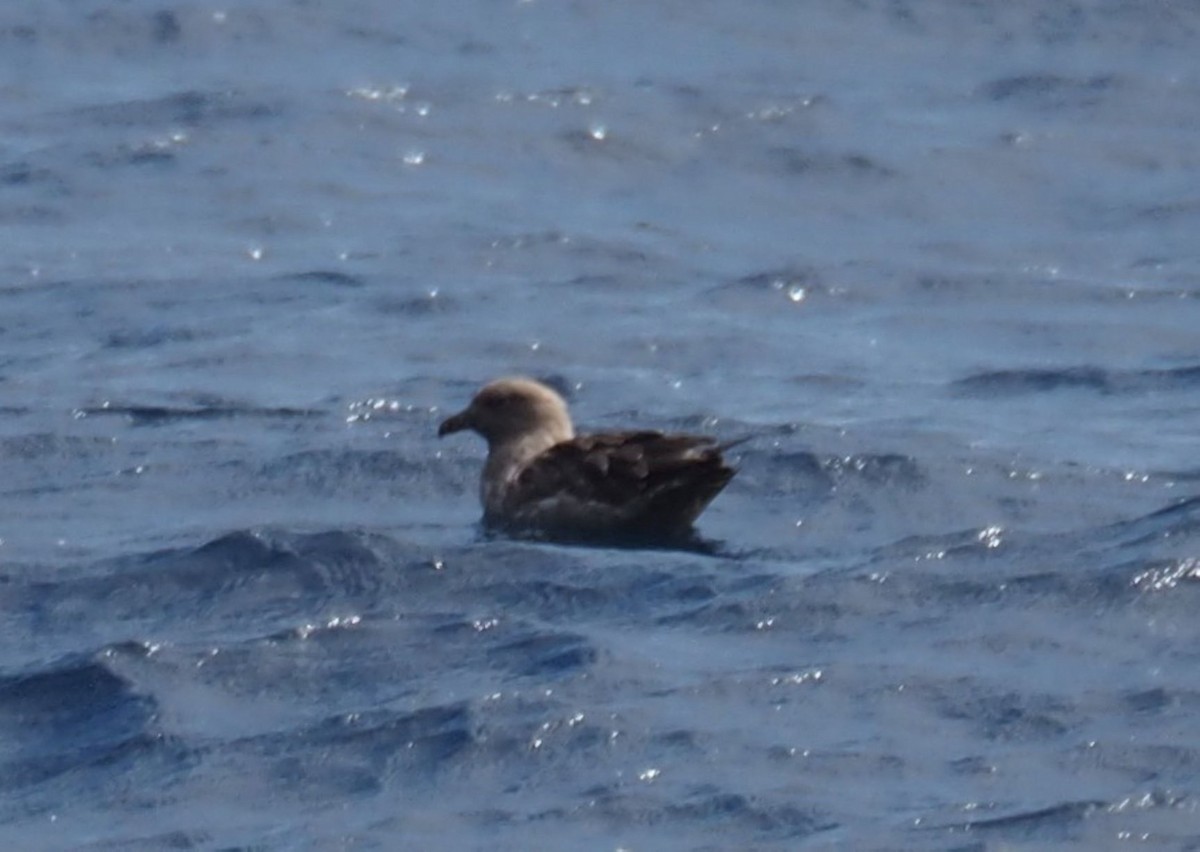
<point x="507" y="458"/>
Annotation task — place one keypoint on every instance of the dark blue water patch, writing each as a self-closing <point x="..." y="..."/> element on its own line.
<point x="960" y="543"/>
<point x="45" y="454"/>
<point x="1151" y="700"/>
<point x="1004" y="716"/>
<point x="714" y="812"/>
<point x="1054" y="25"/>
<point x="544" y="654"/>
<point x="1016" y="382"/>
<point x="744" y="813"/>
<point x="149" y="338"/>
<point x="621" y="594"/>
<point x="773" y="290"/>
<point x="943" y="286"/>
<point x="156" y="842"/>
<point x="1006" y="383"/>
<point x="345" y="564"/>
<point x="551" y="598"/>
<point x="785" y="473"/>
<point x="888" y="470"/>
<point x="207" y="568"/>
<point x="361" y="753"/>
<point x="163" y="415"/>
<point x="331" y="471"/>
<point x="189" y="108"/>
<point x="428" y="304"/>
<point x="606" y="147"/>
<point x="1087" y="570"/>
<point x="72" y="713"/>
<point x="244" y="583"/>
<point x="811" y="477"/>
<point x="148" y="154"/>
<point x="32" y="214"/>
<point x="1185" y="378"/>
<point x="236" y="551"/>
<point x="330" y="277"/>
<point x="1180" y="475"/>
<point x="731" y="432"/>
<point x="1174" y="524"/>
<point x="21" y="33"/>
<point x="1148" y="763"/>
<point x="440" y="732"/>
<point x="801" y="162"/>
<point x="1166" y="212"/>
<point x="1050" y="91"/>
<point x="374" y="35"/>
<point x="678" y="541"/>
<point x="679" y="743"/>
<point x="592" y="281"/>
<point x="132" y="28"/>
<point x="1058" y="822"/>
<point x="631" y="258"/>
<point x="25" y="174"/>
<point x="737" y="614"/>
<point x="780" y="278"/>
<point x="165" y="27"/>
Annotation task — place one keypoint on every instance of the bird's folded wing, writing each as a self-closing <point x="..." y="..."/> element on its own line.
<point x="613" y="468"/>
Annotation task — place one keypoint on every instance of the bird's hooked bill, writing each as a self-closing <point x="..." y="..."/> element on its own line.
<point x="456" y="423"/>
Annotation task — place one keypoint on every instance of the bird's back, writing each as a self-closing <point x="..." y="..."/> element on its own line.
<point x="643" y="483"/>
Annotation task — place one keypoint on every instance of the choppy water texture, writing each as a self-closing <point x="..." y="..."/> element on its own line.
<point x="939" y="259"/>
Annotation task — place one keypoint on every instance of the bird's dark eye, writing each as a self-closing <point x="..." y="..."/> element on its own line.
<point x="494" y="401"/>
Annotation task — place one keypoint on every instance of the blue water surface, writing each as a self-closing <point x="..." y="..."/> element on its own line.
<point x="939" y="261"/>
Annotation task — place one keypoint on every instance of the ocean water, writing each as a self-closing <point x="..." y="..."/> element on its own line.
<point x="939" y="260"/>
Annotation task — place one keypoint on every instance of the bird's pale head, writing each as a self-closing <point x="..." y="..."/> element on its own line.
<point x="512" y="409"/>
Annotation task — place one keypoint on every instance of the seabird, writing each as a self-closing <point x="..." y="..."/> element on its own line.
<point x="541" y="477"/>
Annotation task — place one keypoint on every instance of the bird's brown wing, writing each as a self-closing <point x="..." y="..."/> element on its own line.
<point x="642" y="480"/>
